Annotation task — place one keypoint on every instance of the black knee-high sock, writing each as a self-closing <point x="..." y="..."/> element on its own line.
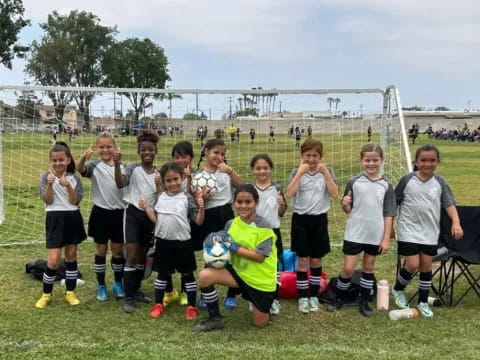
<point x="190" y="288"/>
<point x="48" y="280"/>
<point x="403" y="279"/>
<point x="232" y="292"/>
<point x="117" y="267"/>
<point x="315" y="277"/>
<point x="71" y="275"/>
<point x="169" y="288"/>
<point x="160" y="284"/>
<point x="100" y="267"/>
<point x="130" y="280"/>
<point x="424" y="285"/>
<point x="209" y="294"/>
<point x="302" y="284"/>
<point x="366" y="285"/>
<point x="342" y="286"/>
<point x="139" y="274"/>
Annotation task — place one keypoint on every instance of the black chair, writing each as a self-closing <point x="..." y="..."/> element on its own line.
<point x="455" y="258"/>
<point x="462" y="255"/>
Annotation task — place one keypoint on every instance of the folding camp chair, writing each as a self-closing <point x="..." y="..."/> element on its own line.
<point x="463" y="254"/>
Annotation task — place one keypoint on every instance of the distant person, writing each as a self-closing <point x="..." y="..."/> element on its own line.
<point x="309" y="131"/>
<point x="298" y="137"/>
<point x="252" y="135"/>
<point x="232" y="132"/>
<point x="272" y="134"/>
<point x="238" y="134"/>
<point x="369" y="133"/>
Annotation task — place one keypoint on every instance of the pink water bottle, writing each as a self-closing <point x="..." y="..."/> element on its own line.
<point x="382" y="295"/>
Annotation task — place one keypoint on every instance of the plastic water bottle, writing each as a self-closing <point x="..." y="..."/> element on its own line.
<point x="403" y="314"/>
<point x="382" y="295"/>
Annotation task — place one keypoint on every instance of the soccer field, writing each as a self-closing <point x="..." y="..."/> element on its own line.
<point x="101" y="330"/>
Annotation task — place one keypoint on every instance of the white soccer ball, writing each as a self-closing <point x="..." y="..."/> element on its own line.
<point x="216" y="256"/>
<point x="204" y="179"/>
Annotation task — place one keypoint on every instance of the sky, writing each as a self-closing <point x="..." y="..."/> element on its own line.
<point x="428" y="48"/>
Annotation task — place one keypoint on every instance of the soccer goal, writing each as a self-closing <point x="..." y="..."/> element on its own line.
<point x="31" y="117"/>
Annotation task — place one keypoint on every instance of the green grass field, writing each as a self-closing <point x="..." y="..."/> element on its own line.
<point x="101" y="330"/>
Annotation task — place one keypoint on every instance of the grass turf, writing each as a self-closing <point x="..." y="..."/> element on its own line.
<point x="102" y="330"/>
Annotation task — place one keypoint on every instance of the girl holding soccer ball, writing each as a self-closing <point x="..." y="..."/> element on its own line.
<point x="253" y="265"/>
<point x="218" y="204"/>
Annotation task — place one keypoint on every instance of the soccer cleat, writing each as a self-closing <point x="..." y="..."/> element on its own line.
<point x="170" y="297"/>
<point x="72" y="298"/>
<point x="425" y="310"/>
<point x="303" y="305"/>
<point x="43" y="302"/>
<point x="191" y="313"/>
<point x="230" y="303"/>
<point x="142" y="298"/>
<point x="275" y="308"/>
<point x="209" y="324"/>
<point x="183" y="299"/>
<point x="400" y="298"/>
<point x="101" y="293"/>
<point x="118" y="290"/>
<point x="313" y="303"/>
<point x="202" y="305"/>
<point x="129" y="305"/>
<point x="157" y="311"/>
<point x="364" y="308"/>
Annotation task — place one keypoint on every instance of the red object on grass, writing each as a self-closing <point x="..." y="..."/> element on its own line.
<point x="288" y="287"/>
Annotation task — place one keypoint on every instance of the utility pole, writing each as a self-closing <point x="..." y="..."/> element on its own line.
<point x="280" y="107"/>
<point x="230" y="98"/>
<point x="196" y="104"/>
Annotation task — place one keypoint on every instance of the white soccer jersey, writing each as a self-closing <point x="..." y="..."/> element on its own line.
<point x="268" y="205"/>
<point x="61" y="200"/>
<point x="312" y="197"/>
<point x="173" y="216"/>
<point x="372" y="201"/>
<point x="105" y="193"/>
<point x="139" y="183"/>
<point x="420" y="203"/>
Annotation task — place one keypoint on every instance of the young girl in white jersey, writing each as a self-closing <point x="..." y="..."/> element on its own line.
<point x="182" y="153"/>
<point x="62" y="191"/>
<point x="173" y="248"/>
<point x="218" y="204"/>
<point x="271" y="206"/>
<point x="369" y="201"/>
<point x="141" y="181"/>
<point x="310" y="186"/>
<point x="420" y="196"/>
<point x="106" y="217"/>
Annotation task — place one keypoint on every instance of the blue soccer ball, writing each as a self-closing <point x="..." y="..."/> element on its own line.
<point x="217" y="255"/>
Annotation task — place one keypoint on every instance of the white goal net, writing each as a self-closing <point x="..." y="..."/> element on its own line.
<point x="340" y="118"/>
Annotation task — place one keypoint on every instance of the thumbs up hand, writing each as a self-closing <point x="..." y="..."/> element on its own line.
<point x="51" y="177"/>
<point x="63" y="180"/>
<point x="117" y="156"/>
<point x="156" y="177"/>
<point x="88" y="153"/>
<point x="347" y="200"/>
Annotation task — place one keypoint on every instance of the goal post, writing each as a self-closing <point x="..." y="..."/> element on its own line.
<point x="337" y="117"/>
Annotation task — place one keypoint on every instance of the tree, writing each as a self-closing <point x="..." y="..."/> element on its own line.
<point x="336" y="101"/>
<point x="136" y="63"/>
<point x="71" y="53"/>
<point x="26" y="106"/>
<point x="330" y="100"/>
<point x="442" y="108"/>
<point x="11" y="23"/>
<point x="192" y="116"/>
